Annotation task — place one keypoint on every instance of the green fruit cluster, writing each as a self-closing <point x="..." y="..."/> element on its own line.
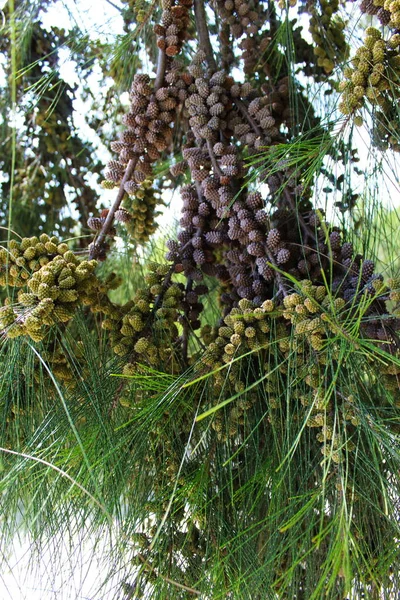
<point x="21" y="258"/>
<point x="243" y="331"/>
<point x="305" y="329"/>
<point x="52" y="280"/>
<point x="326" y="28"/>
<point x="334" y="416"/>
<point x="366" y="79"/>
<point x="374" y="78"/>
<point x="313" y="312"/>
<point x="301" y="323"/>
<point x="142" y="205"/>
<point x="145" y="330"/>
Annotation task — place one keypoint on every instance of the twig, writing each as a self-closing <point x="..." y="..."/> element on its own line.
<point x="243" y="109"/>
<point x="161" y="63"/>
<point x="185" y="333"/>
<point x="95" y="247"/>
<point x="167" y="579"/>
<point x="214" y="162"/>
<point x="118" y="8"/>
<point x="306" y="228"/>
<point x="281" y="284"/>
<point x="202" y="31"/>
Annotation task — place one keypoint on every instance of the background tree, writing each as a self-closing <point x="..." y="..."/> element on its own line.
<point x="231" y="416"/>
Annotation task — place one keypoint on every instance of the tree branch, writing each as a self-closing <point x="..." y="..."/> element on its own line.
<point x="95" y="247"/>
<point x="243" y="109"/>
<point x="161" y="64"/>
<point x="202" y="30"/>
<point x="214" y="163"/>
<point x="149" y="566"/>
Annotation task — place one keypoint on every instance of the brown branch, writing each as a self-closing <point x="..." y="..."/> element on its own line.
<point x="202" y="31"/>
<point x="95" y="247"/>
<point x="306" y="228"/>
<point x="243" y="109"/>
<point x="161" y="64"/>
<point x="185" y="333"/>
<point x="214" y="162"/>
<point x="281" y="284"/>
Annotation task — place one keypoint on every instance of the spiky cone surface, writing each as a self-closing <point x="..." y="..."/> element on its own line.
<point x="368" y="81"/>
<point x="147" y="332"/>
<point x="49" y="293"/>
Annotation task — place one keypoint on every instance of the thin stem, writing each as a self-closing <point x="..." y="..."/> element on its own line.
<point x="243" y="109"/>
<point x="114" y="6"/>
<point x="95" y="247"/>
<point x="167" y="579"/>
<point x="214" y="162"/>
<point x="306" y="228"/>
<point x="51" y="465"/>
<point x="202" y="31"/>
<point x="185" y="333"/>
<point x="161" y="63"/>
<point x="281" y="284"/>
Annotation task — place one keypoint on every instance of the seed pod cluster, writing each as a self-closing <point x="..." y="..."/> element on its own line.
<point x="303" y="328"/>
<point x="147" y="132"/>
<point x="146" y="331"/>
<point x="172" y="31"/>
<point x="191" y="251"/>
<point x="58" y="362"/>
<point x="381" y="9"/>
<point x="244" y="329"/>
<point x="147" y="135"/>
<point x="335" y="441"/>
<point x="52" y="292"/>
<point x="244" y="20"/>
<point x="372" y="78"/>
<point x="141" y="206"/>
<point x="141" y="10"/>
<point x="326" y="28"/>
<point x="21" y="258"/>
<point x="258" y="117"/>
<point x="206" y="104"/>
<point x="244" y="17"/>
